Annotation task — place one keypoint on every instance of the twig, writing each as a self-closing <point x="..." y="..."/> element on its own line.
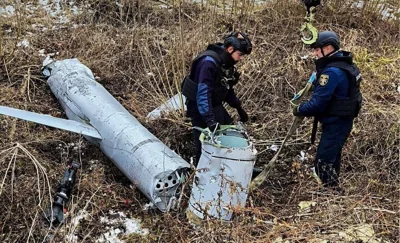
<point x="377" y="209"/>
<point x="5" y="67"/>
<point x="40" y="170"/>
<point x="12" y="160"/>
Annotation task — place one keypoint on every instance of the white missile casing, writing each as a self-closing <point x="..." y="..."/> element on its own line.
<point x="222" y="177"/>
<point x="155" y="169"/>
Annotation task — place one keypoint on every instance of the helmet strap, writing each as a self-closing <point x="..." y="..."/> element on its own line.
<point x="227" y="59"/>
<point x="330" y="53"/>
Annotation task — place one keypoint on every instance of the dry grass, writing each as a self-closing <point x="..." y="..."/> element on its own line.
<point x="140" y="53"/>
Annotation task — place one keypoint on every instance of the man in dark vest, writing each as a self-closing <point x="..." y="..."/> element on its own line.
<point x="335" y="102"/>
<point x="210" y="84"/>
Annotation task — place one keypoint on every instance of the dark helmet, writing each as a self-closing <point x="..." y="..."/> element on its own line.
<point x="326" y="38"/>
<point x="239" y="41"/>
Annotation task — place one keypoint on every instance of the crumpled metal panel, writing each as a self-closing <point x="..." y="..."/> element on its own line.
<point x="222" y="177"/>
<point x="154" y="168"/>
<point x="172" y="104"/>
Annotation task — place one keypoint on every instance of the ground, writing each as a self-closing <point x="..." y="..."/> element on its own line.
<point x="140" y="51"/>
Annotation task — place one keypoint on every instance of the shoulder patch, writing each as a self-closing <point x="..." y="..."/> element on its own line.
<point x="323" y="79"/>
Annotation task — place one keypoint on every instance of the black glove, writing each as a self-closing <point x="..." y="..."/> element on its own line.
<point x="296" y="110"/>
<point x="213" y="126"/>
<point x="242" y="114"/>
<point x="235" y="79"/>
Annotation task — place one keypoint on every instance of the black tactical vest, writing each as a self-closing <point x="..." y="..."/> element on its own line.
<point x="346" y="107"/>
<point x="224" y="79"/>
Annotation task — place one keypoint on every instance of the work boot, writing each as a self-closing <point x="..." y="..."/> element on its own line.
<point x="256" y="172"/>
<point x="326" y="172"/>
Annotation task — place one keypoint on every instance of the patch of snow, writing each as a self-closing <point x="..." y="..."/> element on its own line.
<point x="390" y="13"/>
<point x="23" y="43"/>
<point x="359" y="4"/>
<point x="132" y="226"/>
<point x="111" y="236"/>
<point x="41" y="53"/>
<point x="46" y="62"/>
<point x="82" y="214"/>
<point x="129" y="226"/>
<point x="59" y="10"/>
<point x="274" y="147"/>
<point x="385" y="10"/>
<point x="53" y="8"/>
<point x="7" y="11"/>
<point x="63" y="19"/>
<point x="303" y="156"/>
<point x="304" y="57"/>
<point x="75" y="10"/>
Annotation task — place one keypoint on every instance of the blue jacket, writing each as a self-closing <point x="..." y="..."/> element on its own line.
<point x="331" y="82"/>
<point x="205" y="74"/>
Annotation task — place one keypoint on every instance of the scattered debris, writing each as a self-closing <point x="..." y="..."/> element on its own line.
<point x="172" y="104"/>
<point x="280" y="240"/>
<point x="41" y="52"/>
<point x="315" y="176"/>
<point x="361" y="233"/>
<point x="305" y="206"/>
<point x="148" y="206"/>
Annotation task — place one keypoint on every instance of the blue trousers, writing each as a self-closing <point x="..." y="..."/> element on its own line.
<point x="327" y="160"/>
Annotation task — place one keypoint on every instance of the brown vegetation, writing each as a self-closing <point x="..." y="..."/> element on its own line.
<point x="141" y="52"/>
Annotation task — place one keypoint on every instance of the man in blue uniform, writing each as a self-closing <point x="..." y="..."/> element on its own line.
<point x="210" y="84"/>
<point x="335" y="102"/>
